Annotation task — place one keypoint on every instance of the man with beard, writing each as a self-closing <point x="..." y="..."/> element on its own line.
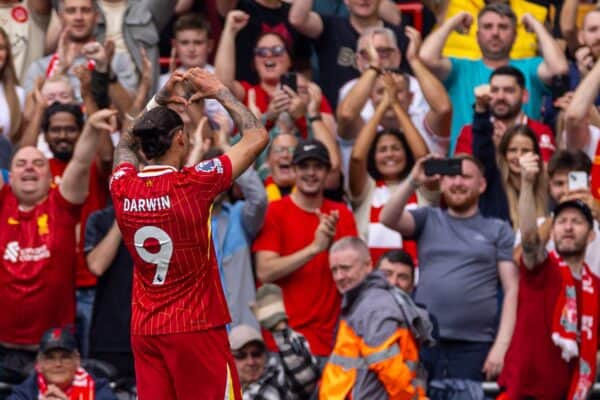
<point x="62" y="125"/>
<point x="291" y="249"/>
<point x="496" y="33"/>
<point x="553" y="350"/>
<point x="499" y="106"/>
<point x="463" y="259"/>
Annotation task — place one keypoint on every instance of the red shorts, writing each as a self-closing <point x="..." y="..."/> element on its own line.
<point x="182" y="366"/>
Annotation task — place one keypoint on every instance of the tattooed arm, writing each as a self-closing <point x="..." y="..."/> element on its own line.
<point x="126" y="150"/>
<point x="254" y="136"/>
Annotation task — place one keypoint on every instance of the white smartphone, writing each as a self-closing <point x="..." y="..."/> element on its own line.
<point x="578" y="180"/>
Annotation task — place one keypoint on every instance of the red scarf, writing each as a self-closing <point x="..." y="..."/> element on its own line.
<point x="53" y="65"/>
<point x="380" y="238"/>
<point x="566" y="333"/>
<point x="82" y="387"/>
<point x="596" y="173"/>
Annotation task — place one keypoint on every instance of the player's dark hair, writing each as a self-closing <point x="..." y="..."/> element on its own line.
<point x="56" y="107"/>
<point x="569" y="160"/>
<point x="410" y="158"/>
<point x="509" y="70"/>
<point x="192" y="21"/>
<point x="155" y="130"/>
<point x="502" y="9"/>
<point x="397" y="256"/>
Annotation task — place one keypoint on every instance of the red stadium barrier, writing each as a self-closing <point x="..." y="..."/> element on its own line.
<point x="416" y="10"/>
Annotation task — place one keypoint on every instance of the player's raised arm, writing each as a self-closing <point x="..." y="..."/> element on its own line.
<point x="254" y="136"/>
<point x="73" y="186"/>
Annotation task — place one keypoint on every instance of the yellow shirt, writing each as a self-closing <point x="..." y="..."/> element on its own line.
<point x="465" y="46"/>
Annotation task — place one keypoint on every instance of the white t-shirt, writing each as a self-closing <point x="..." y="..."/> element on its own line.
<point x="5" y="112"/>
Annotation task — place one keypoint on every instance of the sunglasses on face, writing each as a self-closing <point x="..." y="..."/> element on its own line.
<point x="242" y="355"/>
<point x="382" y="51"/>
<point x="275" y="51"/>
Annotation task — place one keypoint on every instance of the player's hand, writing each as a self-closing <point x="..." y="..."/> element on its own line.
<point x="326" y="230"/>
<point x="461" y="22"/>
<point x="205" y="84"/>
<point x="167" y="94"/>
<point x="103" y="120"/>
<point x="390" y="88"/>
<point x="530" y="167"/>
<point x="414" y="44"/>
<point x="236" y="21"/>
<point x="372" y="54"/>
<point x="66" y="52"/>
<point x="494" y="362"/>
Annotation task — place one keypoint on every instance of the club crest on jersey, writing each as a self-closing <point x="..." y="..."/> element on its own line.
<point x="210" y="166"/>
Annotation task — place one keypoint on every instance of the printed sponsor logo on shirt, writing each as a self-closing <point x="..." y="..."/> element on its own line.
<point x="210" y="165"/>
<point x="14" y="253"/>
<point x="346" y="57"/>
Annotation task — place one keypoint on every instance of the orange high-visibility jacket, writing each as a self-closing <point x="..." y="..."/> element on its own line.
<point x="375" y="354"/>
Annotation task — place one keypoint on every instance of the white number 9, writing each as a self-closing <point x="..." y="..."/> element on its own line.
<point x="162" y="257"/>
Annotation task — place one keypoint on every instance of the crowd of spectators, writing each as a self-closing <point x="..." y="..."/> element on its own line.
<point x="348" y="268"/>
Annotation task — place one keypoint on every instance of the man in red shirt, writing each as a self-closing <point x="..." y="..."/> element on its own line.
<point x="291" y="249"/>
<point x="62" y="125"/>
<point x="501" y="102"/>
<point x="552" y="354"/>
<point x="179" y="311"/>
<point x="37" y="240"/>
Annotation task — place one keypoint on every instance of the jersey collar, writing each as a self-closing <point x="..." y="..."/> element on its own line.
<point x="156" y="170"/>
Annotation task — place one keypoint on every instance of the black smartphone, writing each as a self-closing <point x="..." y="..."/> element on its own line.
<point x="290" y="79"/>
<point x="443" y="166"/>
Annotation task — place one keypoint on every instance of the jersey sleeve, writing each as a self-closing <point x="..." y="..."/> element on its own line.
<point x="346" y="224"/>
<point x="214" y="175"/>
<point x="66" y="211"/>
<point x="116" y="180"/>
<point x="269" y="238"/>
<point x="464" y="144"/>
<point x="506" y="241"/>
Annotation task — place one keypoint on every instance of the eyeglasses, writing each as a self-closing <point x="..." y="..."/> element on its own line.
<point x="382" y="51"/>
<point x="242" y="355"/>
<point x="275" y="51"/>
<point x="283" y="149"/>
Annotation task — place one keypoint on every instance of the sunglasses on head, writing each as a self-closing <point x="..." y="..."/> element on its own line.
<point x="275" y="51"/>
<point x="242" y="355"/>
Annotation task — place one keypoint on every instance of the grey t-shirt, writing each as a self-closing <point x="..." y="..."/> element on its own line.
<point x="458" y="271"/>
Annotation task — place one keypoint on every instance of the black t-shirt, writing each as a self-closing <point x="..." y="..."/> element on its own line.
<point x="112" y="307"/>
<point x="336" y="50"/>
<point x="263" y="19"/>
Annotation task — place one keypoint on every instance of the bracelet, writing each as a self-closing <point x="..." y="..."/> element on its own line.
<point x="314" y="118"/>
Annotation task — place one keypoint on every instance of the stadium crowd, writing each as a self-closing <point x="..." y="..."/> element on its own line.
<point x="424" y="218"/>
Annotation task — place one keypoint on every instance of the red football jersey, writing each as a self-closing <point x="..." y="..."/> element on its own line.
<point x="37" y="277"/>
<point x="164" y="216"/>
<point x="96" y="200"/>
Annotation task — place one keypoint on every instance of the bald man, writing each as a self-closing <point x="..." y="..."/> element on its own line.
<point x="37" y="241"/>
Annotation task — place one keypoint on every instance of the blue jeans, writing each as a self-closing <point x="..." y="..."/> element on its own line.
<point x="456" y="359"/>
<point x="83" y="319"/>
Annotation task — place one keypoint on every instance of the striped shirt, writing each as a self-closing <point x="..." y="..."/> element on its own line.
<point x="164" y="216"/>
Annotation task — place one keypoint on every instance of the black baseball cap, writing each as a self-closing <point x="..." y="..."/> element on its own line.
<point x="578" y="205"/>
<point x="311" y="149"/>
<point x="58" y="338"/>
